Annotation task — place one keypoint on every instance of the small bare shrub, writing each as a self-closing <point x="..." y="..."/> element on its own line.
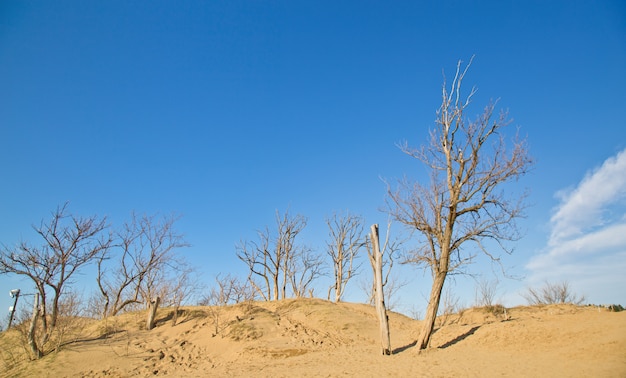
<point x="70" y="321"/>
<point x="227" y="290"/>
<point x="552" y="293"/>
<point x="486" y="292"/>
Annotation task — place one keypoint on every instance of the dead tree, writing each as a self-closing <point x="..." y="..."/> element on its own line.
<point x="141" y="265"/>
<point x="469" y="163"/>
<point x="272" y="259"/>
<point x="346" y="240"/>
<point x="69" y="244"/>
<point x="376" y="260"/>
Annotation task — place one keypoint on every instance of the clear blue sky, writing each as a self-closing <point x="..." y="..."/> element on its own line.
<point x="224" y="111"/>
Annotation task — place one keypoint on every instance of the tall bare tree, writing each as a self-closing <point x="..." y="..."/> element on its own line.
<point x="272" y="259"/>
<point x="346" y="240"/>
<point x="138" y="273"/>
<point x="469" y="164"/>
<point x="69" y="243"/>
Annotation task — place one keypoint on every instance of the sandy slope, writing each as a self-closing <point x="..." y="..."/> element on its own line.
<point x="320" y="339"/>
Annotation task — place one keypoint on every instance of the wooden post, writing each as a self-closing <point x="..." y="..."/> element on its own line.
<point x="152" y="309"/>
<point x="376" y="259"/>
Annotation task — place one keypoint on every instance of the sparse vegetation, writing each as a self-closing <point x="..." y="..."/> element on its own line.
<point x="552" y="293"/>
<point x="615" y="308"/>
<point x="486" y="292"/>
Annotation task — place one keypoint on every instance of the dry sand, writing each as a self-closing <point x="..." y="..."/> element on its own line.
<point x="316" y="338"/>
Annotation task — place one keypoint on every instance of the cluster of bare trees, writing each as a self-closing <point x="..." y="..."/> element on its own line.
<point x="280" y="267"/>
<point x="134" y="266"/>
<point x="460" y="212"/>
<point x="461" y="206"/>
<point x="277" y="263"/>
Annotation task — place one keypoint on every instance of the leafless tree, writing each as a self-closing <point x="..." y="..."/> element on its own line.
<point x="272" y="259"/>
<point x="140" y="269"/>
<point x="346" y="240"/>
<point x="469" y="163"/>
<point x="70" y="243"/>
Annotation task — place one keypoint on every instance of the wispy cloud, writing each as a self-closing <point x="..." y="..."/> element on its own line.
<point x="587" y="243"/>
<point x="586" y="207"/>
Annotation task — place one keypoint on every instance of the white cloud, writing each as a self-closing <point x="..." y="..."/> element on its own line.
<point x="585" y="207"/>
<point x="587" y="244"/>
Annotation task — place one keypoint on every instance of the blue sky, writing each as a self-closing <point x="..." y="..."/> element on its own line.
<point x="225" y="111"/>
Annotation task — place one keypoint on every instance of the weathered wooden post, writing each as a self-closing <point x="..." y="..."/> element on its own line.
<point x="376" y="260"/>
<point x="152" y="309"/>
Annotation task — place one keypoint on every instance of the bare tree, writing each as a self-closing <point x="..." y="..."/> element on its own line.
<point x="70" y="243"/>
<point x="141" y="269"/>
<point x="271" y="259"/>
<point x="469" y="164"/>
<point x="346" y="240"/>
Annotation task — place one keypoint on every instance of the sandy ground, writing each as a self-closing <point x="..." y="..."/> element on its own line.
<point x="315" y="338"/>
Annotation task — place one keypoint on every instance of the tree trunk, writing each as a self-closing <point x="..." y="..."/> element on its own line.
<point x="175" y="316"/>
<point x="55" y="309"/>
<point x="339" y="276"/>
<point x="152" y="309"/>
<point x="276" y="286"/>
<point x="43" y="314"/>
<point x="31" y="330"/>
<point x="376" y="259"/>
<point x="431" y="311"/>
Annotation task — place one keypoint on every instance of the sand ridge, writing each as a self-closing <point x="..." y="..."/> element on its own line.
<point x="317" y="338"/>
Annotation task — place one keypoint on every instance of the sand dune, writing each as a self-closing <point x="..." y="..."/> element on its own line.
<point x="316" y="338"/>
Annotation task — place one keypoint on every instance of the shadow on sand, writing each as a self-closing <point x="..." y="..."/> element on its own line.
<point x="459" y="338"/>
<point x="446" y="345"/>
